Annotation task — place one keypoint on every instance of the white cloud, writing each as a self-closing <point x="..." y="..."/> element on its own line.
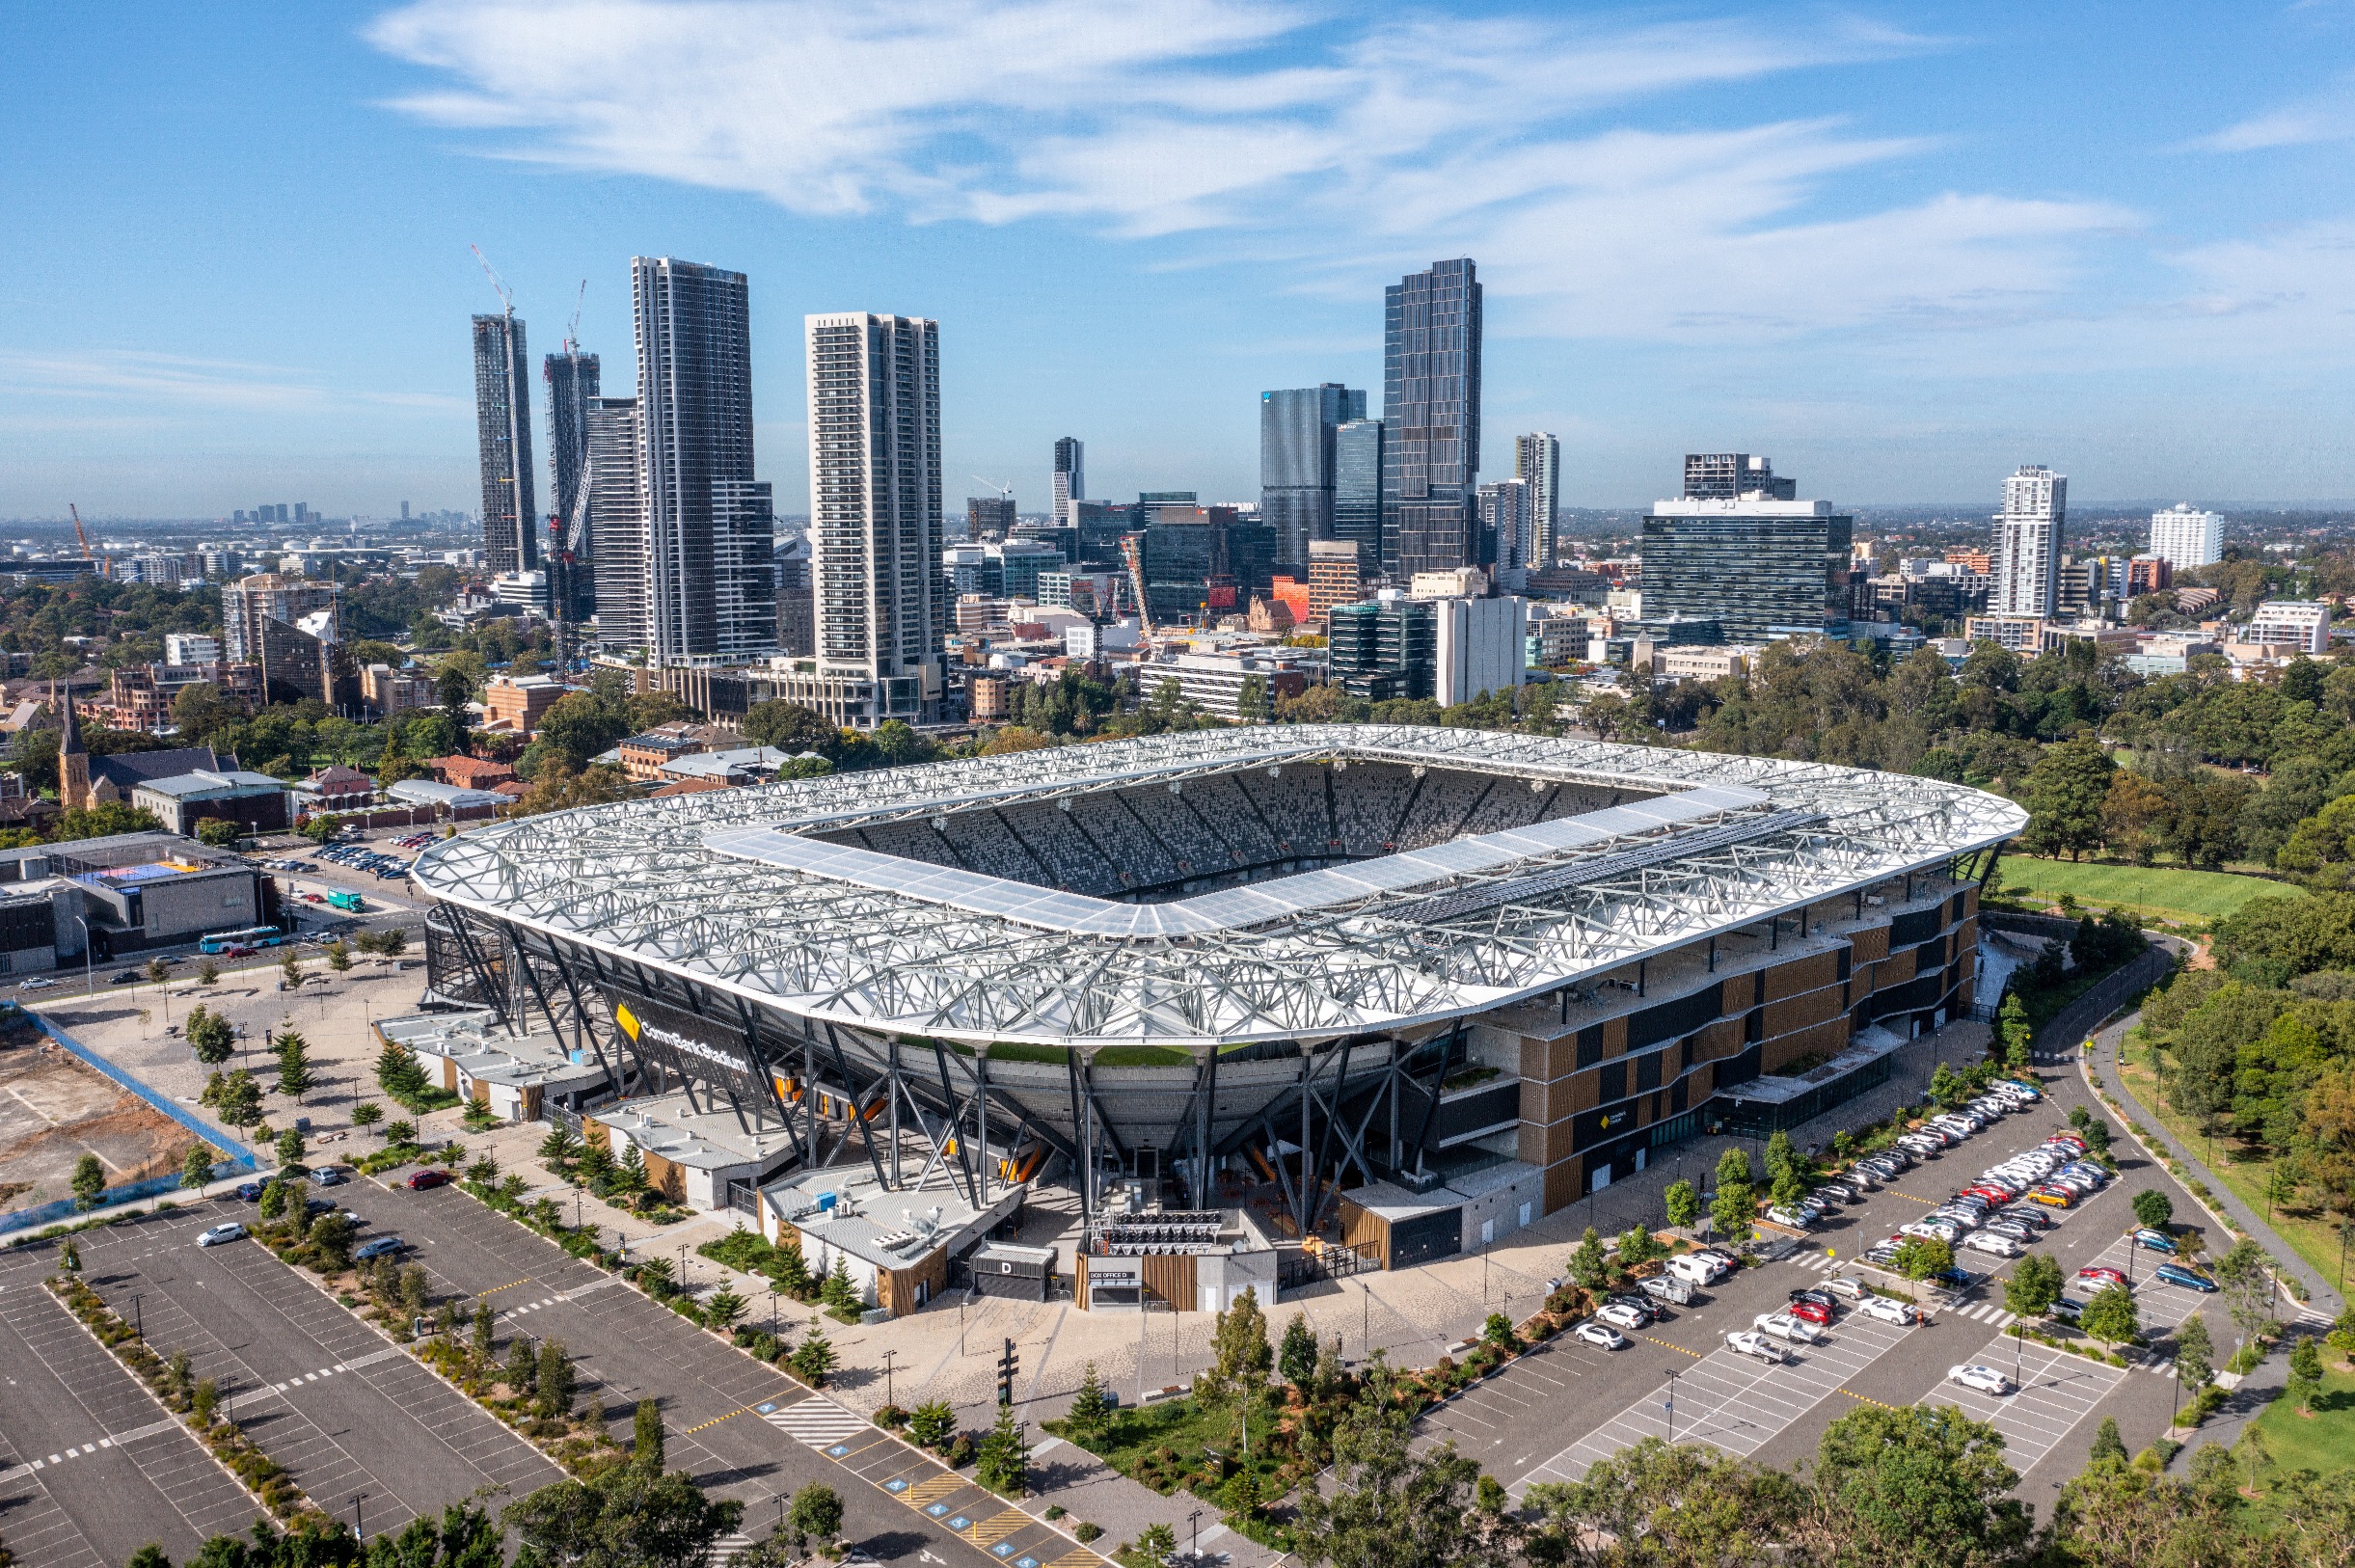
<point x="170" y="380"/>
<point x="2327" y="118"/>
<point x="1341" y="146"/>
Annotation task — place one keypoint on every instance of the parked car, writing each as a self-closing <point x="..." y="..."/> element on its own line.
<point x="1984" y="1379"/>
<point x="1600" y="1337"/>
<point x="1699" y="1268"/>
<point x="1887" y="1311"/>
<point x="1620" y="1315"/>
<point x="1745" y="1343"/>
<point x="2156" y="1241"/>
<point x="2183" y="1278"/>
<point x="251" y="1192"/>
<point x="379" y="1247"/>
<point x="1790" y="1218"/>
<point x="1666" y="1287"/>
<point x="2067" y="1308"/>
<point x="2053" y="1197"/>
<point x="1848" y="1288"/>
<point x="1784" y="1326"/>
<point x="1989" y="1241"/>
<point x="1812" y="1311"/>
<point x="1933" y="1230"/>
<point x="2101" y="1274"/>
<point x="228" y="1231"/>
<point x="420" y="1181"/>
<point x="331" y="1176"/>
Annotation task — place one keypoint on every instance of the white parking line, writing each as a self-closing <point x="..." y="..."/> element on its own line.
<point x="2056" y="1391"/>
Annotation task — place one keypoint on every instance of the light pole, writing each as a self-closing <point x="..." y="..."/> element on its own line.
<point x="139" y="1324"/>
<point x="1672" y="1375"/>
<point x="889" y="1356"/>
<point x="1366" y="1314"/>
<point x="359" y="1530"/>
<point x="90" y="981"/>
<point x="1194" y="1524"/>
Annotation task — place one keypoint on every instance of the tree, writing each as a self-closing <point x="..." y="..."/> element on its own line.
<point x="294" y="1075"/>
<point x="338" y="955"/>
<point x="486" y="1324"/>
<point x="157" y="971"/>
<point x="932" y="1423"/>
<point x="1925" y="1485"/>
<point x="1735" y="1210"/>
<point x="238" y="1101"/>
<point x="1653" y="1504"/>
<point x="2111" y="1316"/>
<point x="839" y="1292"/>
<point x="2153" y="1208"/>
<point x="1002" y="1460"/>
<point x="89" y="1182"/>
<point x="2194" y="1355"/>
<point x="581" y="726"/>
<point x="1683" y="1204"/>
<point x="558" y="1149"/>
<point x="196" y="1170"/>
<point x="290" y="965"/>
<point x="555" y="1381"/>
<point x="2305" y="1376"/>
<point x="2132" y="813"/>
<point x="2245" y="1276"/>
<point x="273" y="1199"/>
<point x="1240" y="1356"/>
<point x="2107" y="1444"/>
<point x="290" y="1148"/>
<point x="332" y="1236"/>
<point x="1383" y="1502"/>
<point x="399" y="1073"/>
<point x="2034" y="1286"/>
<point x="624" y="1518"/>
<point x="1296" y="1355"/>
<point x="814" y="1514"/>
<point x="1734" y="1165"/>
<point x="724" y="1310"/>
<point x="1923" y="1257"/>
<point x="1781" y="1156"/>
<point x="1637" y="1246"/>
<point x="1589" y="1264"/>
<point x="814" y="1357"/>
<point x="2064" y="794"/>
<point x="367" y="1113"/>
<point x="789" y="727"/>
<point x="646" y="1436"/>
<point x="2013" y="1029"/>
<point x="1089" y="1408"/>
<point x="210" y="1036"/>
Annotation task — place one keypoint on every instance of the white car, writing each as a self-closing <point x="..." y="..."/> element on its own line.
<point x="1984" y="1379"/>
<point x="1789" y="1218"/>
<point x="1989" y="1241"/>
<point x="1745" y="1344"/>
<point x="1933" y="1231"/>
<point x="219" y="1234"/>
<point x="1601" y="1337"/>
<point x="36" y="984"/>
<point x="1622" y="1315"/>
<point x="1887" y="1311"/>
<point x="1784" y="1326"/>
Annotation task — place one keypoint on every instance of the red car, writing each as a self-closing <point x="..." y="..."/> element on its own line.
<point x="423" y="1179"/>
<point x="2101" y="1274"/>
<point x="1991" y="1192"/>
<point x="1814" y="1312"/>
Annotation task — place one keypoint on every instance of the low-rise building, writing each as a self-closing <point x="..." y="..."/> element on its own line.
<point x="897" y="1246"/>
<point x="1214" y="682"/>
<point x="1701" y="662"/>
<point x="335" y="788"/>
<point x="738" y="765"/>
<point x="130" y="891"/>
<point x="703" y="1159"/>
<point x="515" y="703"/>
<point x="2292" y="626"/>
<point x="469" y="773"/>
<point x="256" y="802"/>
<point x="517" y="1075"/>
<point x="392" y="693"/>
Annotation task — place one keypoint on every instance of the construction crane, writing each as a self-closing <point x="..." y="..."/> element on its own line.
<point x="572" y="328"/>
<point x="78" y="532"/>
<point x="1135" y="560"/>
<point x="565" y="533"/>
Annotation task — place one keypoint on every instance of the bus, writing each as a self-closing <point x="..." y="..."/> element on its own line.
<point x="221" y="942"/>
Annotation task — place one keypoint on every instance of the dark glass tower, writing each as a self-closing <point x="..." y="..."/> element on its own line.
<point x="572" y="388"/>
<point x="1356" y="489"/>
<point x="1431" y="419"/>
<point x="502" y="432"/>
<point x="1296" y="462"/>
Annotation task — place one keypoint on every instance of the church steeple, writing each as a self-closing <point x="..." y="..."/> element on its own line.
<point x="72" y="762"/>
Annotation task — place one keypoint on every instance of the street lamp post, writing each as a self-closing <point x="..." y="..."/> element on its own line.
<point x="359" y="1529"/>
<point x="1671" y="1407"/>
<point x="1194" y="1524"/>
<point x="139" y="1325"/>
<point x="90" y="980"/>
<point x="888" y="1356"/>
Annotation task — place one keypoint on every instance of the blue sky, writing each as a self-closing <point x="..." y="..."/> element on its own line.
<point x="1900" y="248"/>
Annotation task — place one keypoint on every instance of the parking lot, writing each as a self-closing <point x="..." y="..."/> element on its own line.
<point x="95" y="1468"/>
<point x="323" y="1393"/>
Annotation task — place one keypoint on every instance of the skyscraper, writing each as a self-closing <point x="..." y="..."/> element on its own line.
<point x="2028" y="542"/>
<point x="2184" y="538"/>
<point x="502" y="434"/>
<point x="1760" y="566"/>
<point x="1509" y="527"/>
<point x="1296" y="459"/>
<point x="1431" y="419"/>
<point x="708" y="583"/>
<point x="1356" y="489"/>
<point x="1070" y="478"/>
<point x="1538" y="462"/>
<point x="571" y="379"/>
<point x="618" y="521"/>
<point x="875" y="513"/>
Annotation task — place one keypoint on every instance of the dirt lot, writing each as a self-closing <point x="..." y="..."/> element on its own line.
<point x="53" y="1110"/>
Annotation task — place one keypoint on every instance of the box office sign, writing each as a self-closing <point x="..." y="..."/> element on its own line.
<point x="704" y="1050"/>
<point x="1590" y="1127"/>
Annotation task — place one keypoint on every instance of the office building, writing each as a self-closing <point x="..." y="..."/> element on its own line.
<point x="990" y="518"/>
<point x="1296" y="464"/>
<point x="2184" y="536"/>
<point x="875" y="513"/>
<point x="1734" y="476"/>
<point x="1478" y="645"/>
<point x="2027" y="544"/>
<point x="191" y="648"/>
<point x="1431" y="418"/>
<point x="617" y="521"/>
<point x="1070" y="478"/>
<point x="708" y="533"/>
<point x="1759" y="568"/>
<point x="503" y="436"/>
<point x="797" y="615"/>
<point x="1538" y="462"/>
<point x="571" y="379"/>
<point x="1335" y="576"/>
<point x="1357" y="488"/>
<point x="1509" y="527"/>
<point x="1383" y="648"/>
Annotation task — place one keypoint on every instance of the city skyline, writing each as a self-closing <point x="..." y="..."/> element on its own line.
<point x="1910" y="297"/>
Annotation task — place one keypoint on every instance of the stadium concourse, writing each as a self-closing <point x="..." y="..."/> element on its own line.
<point x="1392" y="991"/>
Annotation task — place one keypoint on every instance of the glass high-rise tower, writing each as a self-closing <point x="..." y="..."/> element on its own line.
<point x="1538" y="462"/>
<point x="1070" y="479"/>
<point x="1296" y="465"/>
<point x="1431" y="419"/>
<point x="1356" y="489"/>
<point x="502" y="434"/>
<point x="571" y="379"/>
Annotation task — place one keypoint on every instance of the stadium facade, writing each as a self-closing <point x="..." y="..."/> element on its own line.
<point x="1293" y="962"/>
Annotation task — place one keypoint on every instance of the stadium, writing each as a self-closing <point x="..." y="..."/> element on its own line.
<point x="1353" y="977"/>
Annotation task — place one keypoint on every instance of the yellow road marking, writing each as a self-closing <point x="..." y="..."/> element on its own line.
<point x="1697" y="1355"/>
<point x="1077" y="1559"/>
<point x="742" y="1410"/>
<point x="932" y="1490"/>
<point x="1869" y="1400"/>
<point x="1926" y="1203"/>
<point x="989" y="1531"/>
<point x="497" y="1289"/>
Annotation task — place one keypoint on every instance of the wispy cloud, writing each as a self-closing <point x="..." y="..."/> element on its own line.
<point x="1219" y="129"/>
<point x="2327" y="117"/>
<point x="168" y="379"/>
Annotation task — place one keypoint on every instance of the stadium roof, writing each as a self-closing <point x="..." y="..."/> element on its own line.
<point x="728" y="890"/>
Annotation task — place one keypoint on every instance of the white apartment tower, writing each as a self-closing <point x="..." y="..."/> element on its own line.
<point x="2184" y="538"/>
<point x="1538" y="462"/>
<point x="1070" y="479"/>
<point x="2027" y="548"/>
<point x="875" y="514"/>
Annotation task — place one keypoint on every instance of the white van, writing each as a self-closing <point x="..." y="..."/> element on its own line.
<point x="1697" y="1270"/>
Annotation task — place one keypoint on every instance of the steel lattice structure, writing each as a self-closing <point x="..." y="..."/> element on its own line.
<point x="645" y="882"/>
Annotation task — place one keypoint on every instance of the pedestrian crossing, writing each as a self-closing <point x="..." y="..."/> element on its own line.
<point x="86" y="1449"/>
<point x="352" y="1365"/>
<point x="815" y="1422"/>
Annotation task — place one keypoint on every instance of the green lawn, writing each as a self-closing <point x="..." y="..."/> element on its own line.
<point x="2168" y="892"/>
<point x="2323" y="1442"/>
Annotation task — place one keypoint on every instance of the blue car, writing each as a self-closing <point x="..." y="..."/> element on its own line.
<point x="251" y="1192"/>
<point x="2177" y="1274"/>
<point x="382" y="1245"/>
<point x="2157" y="1241"/>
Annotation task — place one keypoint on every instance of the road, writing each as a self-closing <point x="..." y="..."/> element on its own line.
<point x="94" y="1467"/>
<point x="1514" y="1422"/>
<point x="344" y="1411"/>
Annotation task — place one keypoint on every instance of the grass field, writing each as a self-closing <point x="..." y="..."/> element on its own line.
<point x="2167" y="892"/>
<point x="2323" y="1442"/>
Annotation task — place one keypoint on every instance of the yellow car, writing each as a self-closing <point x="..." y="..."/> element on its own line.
<point x="2056" y="1197"/>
